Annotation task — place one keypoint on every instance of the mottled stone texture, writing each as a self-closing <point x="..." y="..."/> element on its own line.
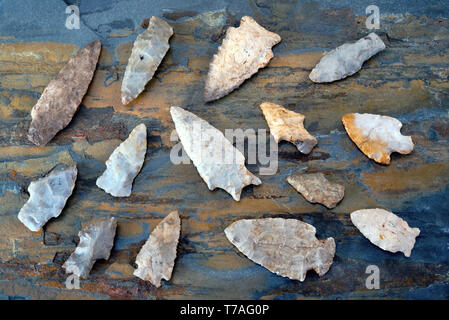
<point x="377" y="136"/>
<point x="408" y="81"/>
<point x="286" y="247"/>
<point x="148" y="51"/>
<point x="218" y="162"/>
<point x="347" y="59"/>
<point x="48" y="197"/>
<point x="243" y="52"/>
<point x="156" y="259"/>
<point x="288" y="125"/>
<point x="124" y="164"/>
<point x="96" y="242"/>
<point x="317" y="189"/>
<point x="62" y="96"/>
<point x="386" y="230"/>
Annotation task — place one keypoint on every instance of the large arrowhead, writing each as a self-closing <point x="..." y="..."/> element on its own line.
<point x="148" y="51"/>
<point x="61" y="98"/>
<point x="156" y="259"/>
<point x="243" y="52"/>
<point x="287" y="247"/>
<point x="218" y="162"/>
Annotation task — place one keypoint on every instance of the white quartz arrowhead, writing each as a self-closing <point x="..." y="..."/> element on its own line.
<point x="377" y="136"/>
<point x="218" y="162"/>
<point x="96" y="242"/>
<point x="156" y="259"/>
<point x="243" y="52"/>
<point x="386" y="230"/>
<point x="124" y="164"/>
<point x="287" y="247"/>
<point x="148" y="51"/>
<point x="48" y="197"/>
<point x="347" y="59"/>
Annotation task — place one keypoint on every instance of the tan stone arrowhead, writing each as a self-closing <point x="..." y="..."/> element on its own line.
<point x="243" y="52"/>
<point x="156" y="259"/>
<point x="289" y="126"/>
<point x="377" y="136"/>
<point x="317" y="189"/>
<point x="148" y="51"/>
<point x="287" y="247"/>
<point x="62" y="96"/>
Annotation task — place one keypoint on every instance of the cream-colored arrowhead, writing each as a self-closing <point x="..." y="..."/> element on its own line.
<point x="124" y="164"/>
<point x="63" y="95"/>
<point x="289" y="126"/>
<point x="96" y="242"/>
<point x="386" y="230"/>
<point x="287" y="247"/>
<point x="48" y="197"/>
<point x="243" y="52"/>
<point x="218" y="162"/>
<point x="156" y="259"/>
<point x="377" y="136"/>
<point x="317" y="189"/>
<point x="347" y="59"/>
<point x="148" y="51"/>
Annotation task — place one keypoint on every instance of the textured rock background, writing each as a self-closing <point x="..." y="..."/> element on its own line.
<point x="409" y="81"/>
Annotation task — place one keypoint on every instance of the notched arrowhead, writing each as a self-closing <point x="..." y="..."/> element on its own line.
<point x="124" y="164"/>
<point x="96" y="242"/>
<point x="243" y="52"/>
<point x="48" y="197"/>
<point x="289" y="126"/>
<point x="218" y="162"/>
<point x="377" y="136"/>
<point x="156" y="259"/>
<point x="287" y="247"/>
<point x="61" y="98"/>
<point x="148" y="51"/>
<point x="385" y="230"/>
<point x="347" y="59"/>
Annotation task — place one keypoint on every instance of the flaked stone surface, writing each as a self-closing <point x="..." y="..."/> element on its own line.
<point x="287" y="247"/>
<point x="48" y="197"/>
<point x="156" y="259"/>
<point x="96" y="242"/>
<point x="124" y="164"/>
<point x="62" y="96"/>
<point x="386" y="230"/>
<point x="289" y="126"/>
<point x="218" y="162"/>
<point x="148" y="51"/>
<point x="347" y="59"/>
<point x="243" y="52"/>
<point x="315" y="188"/>
<point x="377" y="136"/>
